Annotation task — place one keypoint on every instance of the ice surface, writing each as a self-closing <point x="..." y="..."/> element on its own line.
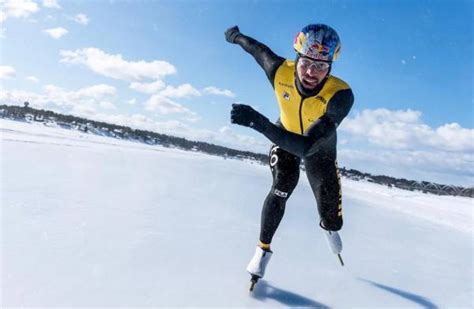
<point x="94" y="221"/>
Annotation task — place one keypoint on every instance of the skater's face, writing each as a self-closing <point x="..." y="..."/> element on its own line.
<point x="311" y="72"/>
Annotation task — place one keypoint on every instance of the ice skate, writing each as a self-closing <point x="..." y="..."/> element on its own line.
<point x="335" y="243"/>
<point x="257" y="265"/>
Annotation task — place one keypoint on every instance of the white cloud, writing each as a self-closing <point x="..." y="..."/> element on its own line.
<point x="97" y="91"/>
<point x="182" y="91"/>
<point x="51" y="4"/>
<point x="17" y="97"/>
<point x="398" y="143"/>
<point x="18" y="8"/>
<point x="405" y="130"/>
<point x="81" y="19"/>
<point x="453" y="137"/>
<point x="217" y="91"/>
<point x="438" y="166"/>
<point x="107" y="105"/>
<point x="86" y="98"/>
<point x="33" y="79"/>
<point x="149" y="88"/>
<point x="132" y="101"/>
<point x="165" y="106"/>
<point x="56" y="33"/>
<point x="3" y="16"/>
<point x="6" y="71"/>
<point x="115" y="66"/>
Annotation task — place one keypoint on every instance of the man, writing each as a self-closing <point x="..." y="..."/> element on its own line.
<point x="312" y="105"/>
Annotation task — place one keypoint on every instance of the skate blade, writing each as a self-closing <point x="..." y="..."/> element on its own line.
<point x="340" y="259"/>
<point x="253" y="282"/>
<point x="252" y="285"/>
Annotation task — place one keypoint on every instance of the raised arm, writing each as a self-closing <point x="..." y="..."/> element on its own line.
<point x="264" y="56"/>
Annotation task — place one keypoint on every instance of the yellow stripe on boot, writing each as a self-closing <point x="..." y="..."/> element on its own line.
<point x="264" y="246"/>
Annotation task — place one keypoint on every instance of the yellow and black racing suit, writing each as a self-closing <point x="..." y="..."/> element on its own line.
<point x="306" y="130"/>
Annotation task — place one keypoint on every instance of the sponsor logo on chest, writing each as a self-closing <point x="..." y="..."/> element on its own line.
<point x="286" y="85"/>
<point x="322" y="99"/>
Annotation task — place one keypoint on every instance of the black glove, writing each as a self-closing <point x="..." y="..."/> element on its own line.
<point x="231" y="34"/>
<point x="245" y="115"/>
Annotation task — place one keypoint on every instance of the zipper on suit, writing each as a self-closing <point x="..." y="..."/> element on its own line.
<point x="301" y="116"/>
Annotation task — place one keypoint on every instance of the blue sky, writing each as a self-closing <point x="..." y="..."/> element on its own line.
<point x="165" y="66"/>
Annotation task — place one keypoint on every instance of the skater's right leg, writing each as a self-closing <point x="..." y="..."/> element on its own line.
<point x="285" y="169"/>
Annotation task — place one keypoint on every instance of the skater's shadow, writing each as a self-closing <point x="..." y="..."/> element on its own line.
<point x="264" y="290"/>
<point x="420" y="300"/>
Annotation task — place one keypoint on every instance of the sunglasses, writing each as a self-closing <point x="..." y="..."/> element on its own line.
<point x="318" y="65"/>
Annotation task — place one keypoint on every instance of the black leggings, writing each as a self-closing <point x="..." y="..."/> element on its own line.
<point x="322" y="172"/>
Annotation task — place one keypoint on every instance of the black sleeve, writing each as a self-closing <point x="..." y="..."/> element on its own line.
<point x="302" y="145"/>
<point x="319" y="133"/>
<point x="340" y="105"/>
<point x="264" y="56"/>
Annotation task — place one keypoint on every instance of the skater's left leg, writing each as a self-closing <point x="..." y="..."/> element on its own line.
<point x="323" y="176"/>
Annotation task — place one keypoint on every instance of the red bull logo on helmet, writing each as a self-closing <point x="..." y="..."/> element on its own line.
<point x="318" y="41"/>
<point x="318" y="51"/>
<point x="320" y="48"/>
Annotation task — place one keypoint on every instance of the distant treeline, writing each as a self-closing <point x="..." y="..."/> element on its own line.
<point x="26" y="113"/>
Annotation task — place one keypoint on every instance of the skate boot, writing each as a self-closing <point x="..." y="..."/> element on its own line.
<point x="335" y="243"/>
<point x="257" y="265"/>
